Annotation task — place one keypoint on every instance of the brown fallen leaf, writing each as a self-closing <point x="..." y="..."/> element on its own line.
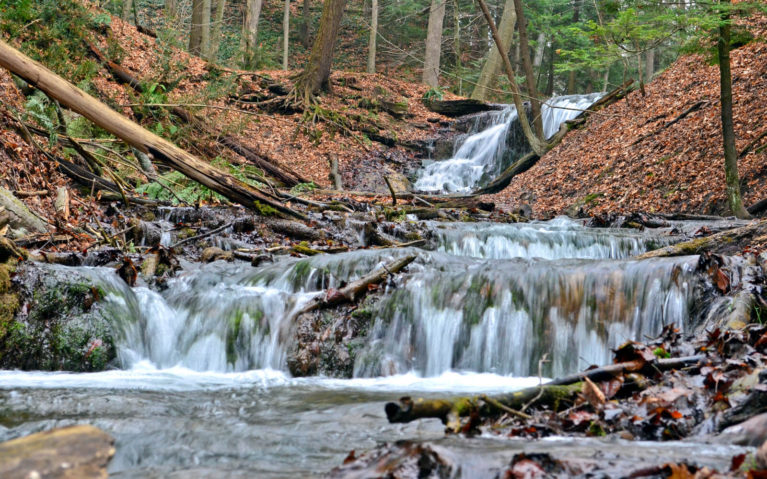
<point x="593" y="394"/>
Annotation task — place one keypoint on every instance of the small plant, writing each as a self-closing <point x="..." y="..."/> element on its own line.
<point x="434" y="93"/>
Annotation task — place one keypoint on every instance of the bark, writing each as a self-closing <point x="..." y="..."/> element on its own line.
<point x="373" y="37"/>
<point x="316" y="73"/>
<point x="433" y="43"/>
<point x="195" y="32"/>
<point x="352" y="291"/>
<point x="527" y="65"/>
<point x="127" y="10"/>
<point x="305" y="19"/>
<point x="734" y="199"/>
<point x="571" y="74"/>
<point x="537" y="144"/>
<point x="218" y="24"/>
<point x="455" y="108"/>
<point x="492" y="67"/>
<point x="649" y="64"/>
<point x="171" y="8"/>
<point x="550" y="83"/>
<point x="133" y="134"/>
<point x="285" y="34"/>
<point x="76" y="451"/>
<point x="250" y="33"/>
<point x="334" y="176"/>
<point x="205" y="38"/>
<point x="19" y="215"/>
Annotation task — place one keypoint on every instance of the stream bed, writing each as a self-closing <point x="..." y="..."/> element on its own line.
<point x="201" y="387"/>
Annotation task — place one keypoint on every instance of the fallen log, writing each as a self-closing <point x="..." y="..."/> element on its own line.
<point x="19" y="215"/>
<point x="557" y="394"/>
<point x="158" y="148"/>
<point x="69" y="452"/>
<point x="455" y="108"/>
<point x="350" y="292"/>
<point x="758" y="207"/>
<point x="699" y="245"/>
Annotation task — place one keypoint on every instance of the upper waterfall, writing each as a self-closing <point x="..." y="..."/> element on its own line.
<point x="481" y="155"/>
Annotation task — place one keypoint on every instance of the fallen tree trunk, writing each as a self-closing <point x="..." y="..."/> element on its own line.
<point x="353" y="290"/>
<point x="156" y="147"/>
<point x="454" y="108"/>
<point x="557" y="394"/>
<point x="699" y="245"/>
<point x="122" y="75"/>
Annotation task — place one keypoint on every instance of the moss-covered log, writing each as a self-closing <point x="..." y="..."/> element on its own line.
<point x="708" y="243"/>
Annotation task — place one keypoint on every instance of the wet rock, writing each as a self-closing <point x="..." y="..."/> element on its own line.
<point x="76" y="452"/>
<point x="401" y="460"/>
<point x="55" y="321"/>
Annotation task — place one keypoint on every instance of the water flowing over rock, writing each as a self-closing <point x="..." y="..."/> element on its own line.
<point x="491" y="298"/>
<point x="481" y="155"/>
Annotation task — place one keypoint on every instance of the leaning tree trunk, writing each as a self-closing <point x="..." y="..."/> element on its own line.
<point x="433" y="43"/>
<point x="316" y="74"/>
<point x="492" y="67"/>
<point x="538" y="145"/>
<point x="527" y="65"/>
<point x="133" y="134"/>
<point x="250" y="33"/>
<point x="373" y="37"/>
<point x="195" y="32"/>
<point x="734" y="199"/>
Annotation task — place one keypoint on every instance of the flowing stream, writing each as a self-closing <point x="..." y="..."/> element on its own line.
<point x="493" y="144"/>
<point x="202" y="389"/>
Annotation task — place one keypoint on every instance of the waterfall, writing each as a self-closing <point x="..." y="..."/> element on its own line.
<point x="480" y="156"/>
<point x="491" y="298"/>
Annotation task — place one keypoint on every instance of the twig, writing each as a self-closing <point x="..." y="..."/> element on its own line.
<point x="203" y="235"/>
<point x="503" y="407"/>
<point x="544" y="359"/>
<point x="391" y="190"/>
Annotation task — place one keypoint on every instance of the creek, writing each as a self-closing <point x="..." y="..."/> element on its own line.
<point x="202" y="388"/>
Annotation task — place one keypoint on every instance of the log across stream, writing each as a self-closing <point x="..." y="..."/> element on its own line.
<point x="201" y="384"/>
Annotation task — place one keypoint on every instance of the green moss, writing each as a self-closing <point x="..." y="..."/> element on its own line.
<point x="5" y="279"/>
<point x="232" y="332"/>
<point x="303" y="248"/>
<point x="264" y="210"/>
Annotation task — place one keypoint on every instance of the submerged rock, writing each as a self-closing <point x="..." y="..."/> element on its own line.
<point x="60" y="323"/>
<point x="76" y="452"/>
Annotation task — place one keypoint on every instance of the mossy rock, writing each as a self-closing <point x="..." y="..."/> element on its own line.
<point x="62" y="325"/>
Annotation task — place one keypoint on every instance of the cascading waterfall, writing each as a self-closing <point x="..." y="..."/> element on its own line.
<point x="492" y="298"/>
<point x="480" y="156"/>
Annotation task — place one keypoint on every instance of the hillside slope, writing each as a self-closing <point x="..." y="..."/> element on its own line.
<point x="627" y="158"/>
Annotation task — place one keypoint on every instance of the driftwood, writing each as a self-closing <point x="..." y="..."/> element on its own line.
<point x="353" y="290"/>
<point x="135" y="135"/>
<point x="294" y="229"/>
<point x="455" y="108"/>
<point x="81" y="452"/>
<point x="557" y="394"/>
<point x="699" y="245"/>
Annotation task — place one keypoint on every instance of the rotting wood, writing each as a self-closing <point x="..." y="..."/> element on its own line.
<point x="353" y="290"/>
<point x="158" y="148"/>
<point x="699" y="245"/>
<point x="455" y="108"/>
<point x="758" y="207"/>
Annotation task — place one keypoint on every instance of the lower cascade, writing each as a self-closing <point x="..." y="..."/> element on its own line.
<point x="490" y="299"/>
<point x="481" y="155"/>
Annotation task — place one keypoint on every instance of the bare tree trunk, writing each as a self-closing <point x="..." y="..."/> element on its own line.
<point x="492" y="67"/>
<point x="285" y="35"/>
<point x="550" y="82"/>
<point x="250" y="33"/>
<point x="457" y="35"/>
<point x="734" y="199"/>
<point x="218" y="25"/>
<point x="316" y="74"/>
<point x="571" y="74"/>
<point x="195" y="32"/>
<point x="537" y="144"/>
<point x="433" y="43"/>
<point x="540" y="47"/>
<point x="527" y="65"/>
<point x="205" y="40"/>
<point x="171" y="8"/>
<point x="134" y="135"/>
<point x="649" y="64"/>
<point x="373" y="37"/>
<point x="305" y="18"/>
<point x="127" y="9"/>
